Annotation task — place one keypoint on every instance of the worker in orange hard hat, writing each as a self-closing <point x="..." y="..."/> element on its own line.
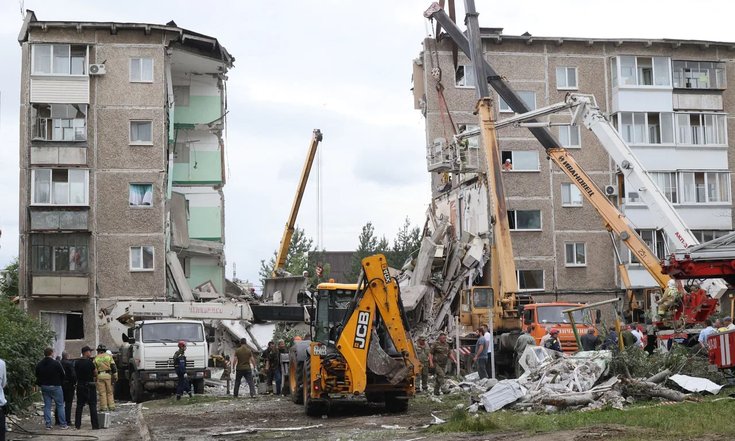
<point x="184" y="385"/>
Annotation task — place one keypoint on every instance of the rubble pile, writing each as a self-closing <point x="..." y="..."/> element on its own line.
<point x="552" y="381"/>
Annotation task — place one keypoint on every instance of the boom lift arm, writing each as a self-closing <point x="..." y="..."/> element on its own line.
<point x="291" y="223"/>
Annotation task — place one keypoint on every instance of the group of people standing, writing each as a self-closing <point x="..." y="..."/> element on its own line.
<point x="61" y="379"/>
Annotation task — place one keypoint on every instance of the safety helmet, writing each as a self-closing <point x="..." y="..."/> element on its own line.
<point x="101" y="348"/>
<point x="182" y="343"/>
<point x="554" y="331"/>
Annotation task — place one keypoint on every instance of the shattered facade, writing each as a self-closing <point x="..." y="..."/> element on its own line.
<point x="121" y="169"/>
<point x="669" y="100"/>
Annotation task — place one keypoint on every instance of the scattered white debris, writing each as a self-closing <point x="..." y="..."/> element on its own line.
<point x="502" y="394"/>
<point x="695" y="384"/>
<point x="392" y="427"/>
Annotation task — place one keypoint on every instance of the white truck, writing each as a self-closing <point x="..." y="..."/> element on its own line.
<point x="147" y="333"/>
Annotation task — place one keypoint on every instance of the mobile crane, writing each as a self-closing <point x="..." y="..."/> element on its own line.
<point x="588" y="114"/>
<point x="366" y="351"/>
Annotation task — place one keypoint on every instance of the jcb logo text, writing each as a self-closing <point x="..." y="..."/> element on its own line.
<point x="363" y="320"/>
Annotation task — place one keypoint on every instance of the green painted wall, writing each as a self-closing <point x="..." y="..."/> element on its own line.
<point x="205" y="223"/>
<point x="201" y="110"/>
<point x="202" y="168"/>
<point x="202" y="271"/>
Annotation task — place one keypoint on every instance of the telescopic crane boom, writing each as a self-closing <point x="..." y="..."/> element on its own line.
<point x="291" y="223"/>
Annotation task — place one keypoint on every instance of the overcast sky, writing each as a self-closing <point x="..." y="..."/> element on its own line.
<point x="343" y="67"/>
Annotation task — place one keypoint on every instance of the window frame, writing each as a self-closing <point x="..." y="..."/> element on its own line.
<point x="575" y="263"/>
<point x="85" y="62"/>
<point x="618" y="76"/>
<point x="462" y="84"/>
<point x="510" y="154"/>
<point x="142" y="269"/>
<point x="130" y="132"/>
<point x="719" y="119"/>
<point x="141" y="70"/>
<point x="141" y="206"/>
<point x="696" y="66"/>
<point x="518" y="280"/>
<point x="33" y="202"/>
<point x="504" y="107"/>
<point x="571" y="203"/>
<point x="36" y="122"/>
<point x="73" y="240"/>
<point x="515" y="221"/>
<point x="566" y="78"/>
<point x="569" y="131"/>
<point x="646" y="128"/>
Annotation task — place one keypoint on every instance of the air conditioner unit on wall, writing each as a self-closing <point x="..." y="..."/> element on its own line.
<point x="97" y="69"/>
<point x="611" y="190"/>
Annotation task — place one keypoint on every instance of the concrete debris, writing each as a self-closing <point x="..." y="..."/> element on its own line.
<point x="392" y="427"/>
<point x="268" y="429"/>
<point x="502" y="394"/>
<point x="695" y="384"/>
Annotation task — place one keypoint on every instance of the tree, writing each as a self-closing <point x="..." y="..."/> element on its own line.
<point x="21" y="346"/>
<point x="297" y="258"/>
<point x="9" y="280"/>
<point x="367" y="244"/>
<point x="407" y="241"/>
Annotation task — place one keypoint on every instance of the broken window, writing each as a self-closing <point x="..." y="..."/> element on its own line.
<point x="141" y="70"/>
<point x="140" y="195"/>
<point x="141" y="258"/>
<point x="59" y="253"/>
<point x="570" y="195"/>
<point x="699" y="75"/>
<point x="528" y="98"/>
<point x="141" y="132"/>
<point x="59" y="59"/>
<point x="524" y="219"/>
<point x="59" y="186"/>
<point x="530" y="280"/>
<point x="566" y="78"/>
<point x="60" y="122"/>
<point x="575" y="254"/>
<point x="464" y="76"/>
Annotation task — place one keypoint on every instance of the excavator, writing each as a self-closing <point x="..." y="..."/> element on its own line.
<point x="358" y="347"/>
<point x="586" y="112"/>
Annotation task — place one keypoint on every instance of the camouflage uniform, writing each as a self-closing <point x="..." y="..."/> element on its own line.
<point x="440" y="354"/>
<point x="422" y="353"/>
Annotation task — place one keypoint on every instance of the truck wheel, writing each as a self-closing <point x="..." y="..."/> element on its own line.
<point x="312" y="408"/>
<point x="137" y="392"/>
<point x="295" y="383"/>
<point x="396" y="402"/>
<point x="198" y="386"/>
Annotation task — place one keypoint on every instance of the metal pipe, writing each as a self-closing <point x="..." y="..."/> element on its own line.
<point x="591" y="305"/>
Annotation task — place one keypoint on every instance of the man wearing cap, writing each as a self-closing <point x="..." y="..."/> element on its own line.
<point x="553" y="341"/>
<point x="726" y="324"/>
<point x="86" y="388"/>
<point x="438" y="356"/>
<point x="183" y="384"/>
<point x="422" y="353"/>
<point x="106" y="375"/>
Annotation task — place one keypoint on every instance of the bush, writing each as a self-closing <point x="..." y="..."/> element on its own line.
<point x="680" y="360"/>
<point x="22" y="340"/>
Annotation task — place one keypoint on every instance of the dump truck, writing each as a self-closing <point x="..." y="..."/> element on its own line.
<point x="363" y="351"/>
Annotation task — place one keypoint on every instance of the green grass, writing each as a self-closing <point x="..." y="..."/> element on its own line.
<point x="683" y="420"/>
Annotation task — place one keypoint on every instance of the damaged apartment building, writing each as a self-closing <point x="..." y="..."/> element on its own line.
<point x="669" y="100"/>
<point x="121" y="169"/>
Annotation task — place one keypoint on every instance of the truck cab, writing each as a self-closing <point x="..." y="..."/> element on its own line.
<point x="550" y="315"/>
<point x="146" y="361"/>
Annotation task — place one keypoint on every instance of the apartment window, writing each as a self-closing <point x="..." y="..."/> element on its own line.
<point x="575" y="254"/>
<point x="59" y="59"/>
<point x="646" y="128"/>
<point x="520" y="160"/>
<point x="528" y="98"/>
<point x="141" y="132"/>
<point x="140" y="195"/>
<point x="642" y="71"/>
<point x="704" y="187"/>
<point x="59" y="186"/>
<point x="524" y="219"/>
<point x="141" y="70"/>
<point x="707" y="235"/>
<point x="60" y="122"/>
<point x="530" y="280"/>
<point x="569" y="136"/>
<point x="655" y="241"/>
<point x="66" y="325"/>
<point x="701" y="129"/>
<point x="141" y="258"/>
<point x="59" y="253"/>
<point x="464" y="76"/>
<point x="699" y="75"/>
<point x="570" y="195"/>
<point x="566" y="78"/>
<point x="667" y="184"/>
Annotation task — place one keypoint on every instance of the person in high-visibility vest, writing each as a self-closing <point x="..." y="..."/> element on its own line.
<point x="106" y="375"/>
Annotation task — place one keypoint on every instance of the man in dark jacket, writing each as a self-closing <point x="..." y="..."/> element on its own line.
<point x="50" y="376"/>
<point x="183" y="384"/>
<point x="86" y="388"/>
<point x="590" y="341"/>
<point x="70" y="383"/>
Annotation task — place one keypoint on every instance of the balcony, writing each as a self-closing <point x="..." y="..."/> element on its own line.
<point x="60" y="286"/>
